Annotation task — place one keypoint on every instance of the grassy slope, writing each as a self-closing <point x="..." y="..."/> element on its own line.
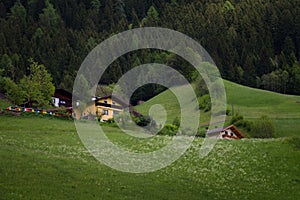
<point x="44" y="159"/>
<point x="254" y="103"/>
<point x="250" y="102"/>
<point x="169" y="101"/>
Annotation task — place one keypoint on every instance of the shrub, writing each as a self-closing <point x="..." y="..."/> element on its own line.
<point x="63" y="114"/>
<point x="204" y="103"/>
<point x="111" y="121"/>
<point x="168" y="129"/>
<point x="141" y="120"/>
<point x="236" y="119"/>
<point x="263" y="128"/>
<point x="201" y="133"/>
<point x="239" y="121"/>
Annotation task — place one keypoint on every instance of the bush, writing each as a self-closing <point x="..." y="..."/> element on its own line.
<point x="204" y="103"/>
<point x="63" y="114"/>
<point x="168" y="129"/>
<point x="141" y="120"/>
<point x="111" y="121"/>
<point x="236" y="119"/>
<point x="201" y="133"/>
<point x="263" y="128"/>
<point x="239" y="121"/>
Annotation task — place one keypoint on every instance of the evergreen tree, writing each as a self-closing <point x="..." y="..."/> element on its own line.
<point x="49" y="18"/>
<point x="38" y="86"/>
<point x="18" y="13"/>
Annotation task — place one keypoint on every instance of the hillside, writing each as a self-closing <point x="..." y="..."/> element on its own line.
<point x="249" y="102"/>
<point x="45" y="159"/>
<point x="255" y="102"/>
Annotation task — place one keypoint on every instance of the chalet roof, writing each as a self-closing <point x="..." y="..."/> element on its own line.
<point x="231" y="127"/>
<point x="216" y="130"/>
<point x="62" y="93"/>
<point x="235" y="130"/>
<point x="114" y="97"/>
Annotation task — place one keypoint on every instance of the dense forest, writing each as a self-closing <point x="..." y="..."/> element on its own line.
<point x="253" y="42"/>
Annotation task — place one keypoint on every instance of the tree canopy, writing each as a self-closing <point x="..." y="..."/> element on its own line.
<point x="255" y="43"/>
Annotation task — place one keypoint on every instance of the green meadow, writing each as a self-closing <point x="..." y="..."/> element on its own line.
<point x="251" y="103"/>
<point x="43" y="158"/>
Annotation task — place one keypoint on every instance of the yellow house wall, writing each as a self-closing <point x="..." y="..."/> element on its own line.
<point x="91" y="108"/>
<point x="76" y="113"/>
<point x="101" y="109"/>
<point x="110" y="115"/>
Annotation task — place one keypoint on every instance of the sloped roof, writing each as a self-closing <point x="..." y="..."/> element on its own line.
<point x="231" y="127"/>
<point x="216" y="130"/>
<point x="114" y="97"/>
<point x="235" y="130"/>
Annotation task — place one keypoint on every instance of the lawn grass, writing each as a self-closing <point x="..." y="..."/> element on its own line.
<point x="43" y="158"/>
<point x="252" y="103"/>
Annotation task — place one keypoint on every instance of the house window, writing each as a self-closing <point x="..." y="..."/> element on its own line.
<point x="62" y="102"/>
<point x="105" y="112"/>
<point x="105" y="101"/>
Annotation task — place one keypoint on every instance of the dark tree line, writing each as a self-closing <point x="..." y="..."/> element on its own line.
<point x="254" y="42"/>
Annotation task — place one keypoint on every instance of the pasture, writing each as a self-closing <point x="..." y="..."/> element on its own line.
<point x="43" y="158"/>
<point x="252" y="103"/>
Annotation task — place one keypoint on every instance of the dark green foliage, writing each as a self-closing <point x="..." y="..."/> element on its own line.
<point x="239" y="121"/>
<point x="236" y="119"/>
<point x="204" y="103"/>
<point x="37" y="88"/>
<point x="199" y="86"/>
<point x="63" y="114"/>
<point x="141" y="120"/>
<point x="201" y="132"/>
<point x="110" y="121"/>
<point x="263" y="128"/>
<point x="260" y="128"/>
<point x="13" y="91"/>
<point x="34" y="90"/>
<point x="251" y="42"/>
<point x="168" y="129"/>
